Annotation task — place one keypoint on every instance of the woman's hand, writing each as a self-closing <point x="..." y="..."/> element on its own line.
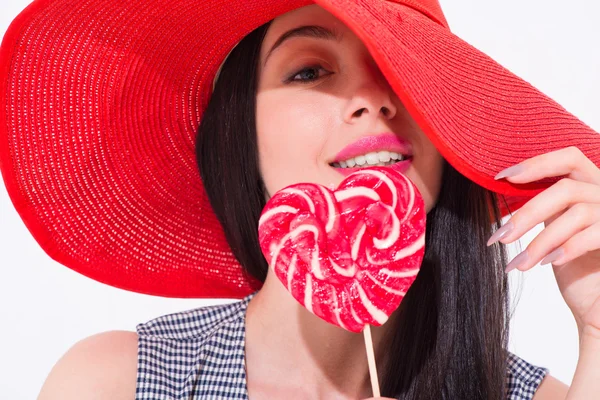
<point x="570" y="240"/>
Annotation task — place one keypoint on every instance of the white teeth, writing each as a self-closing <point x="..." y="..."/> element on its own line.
<point x="384" y="156"/>
<point x="372" y="158"/>
<point x="378" y="159"/>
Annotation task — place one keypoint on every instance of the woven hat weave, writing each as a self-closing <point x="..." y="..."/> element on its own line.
<point x="100" y="101"/>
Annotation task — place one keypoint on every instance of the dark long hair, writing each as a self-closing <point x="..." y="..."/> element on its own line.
<point x="451" y="332"/>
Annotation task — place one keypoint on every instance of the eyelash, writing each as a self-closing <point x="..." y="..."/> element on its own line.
<point x="305" y="81"/>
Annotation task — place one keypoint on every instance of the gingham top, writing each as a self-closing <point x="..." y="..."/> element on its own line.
<point x="199" y="354"/>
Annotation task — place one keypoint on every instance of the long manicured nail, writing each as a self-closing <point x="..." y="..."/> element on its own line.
<point x="555" y="255"/>
<point x="500" y="233"/>
<point x="517" y="261"/>
<point x="511" y="171"/>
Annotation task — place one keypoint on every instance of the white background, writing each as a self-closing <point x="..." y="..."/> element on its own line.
<point x="45" y="308"/>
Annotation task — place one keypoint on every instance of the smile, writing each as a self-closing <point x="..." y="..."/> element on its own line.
<point x="373" y="159"/>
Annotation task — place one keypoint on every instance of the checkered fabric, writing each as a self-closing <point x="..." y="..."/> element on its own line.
<point x="522" y="378"/>
<point x="199" y="354"/>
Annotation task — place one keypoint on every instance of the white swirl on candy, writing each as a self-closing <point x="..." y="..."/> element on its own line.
<point x="405" y="252"/>
<point x="311" y="205"/>
<point x="383" y="244"/>
<point x="349" y="273"/>
<point x="375" y="312"/>
<point x="336" y="310"/>
<point x="281" y="209"/>
<point x="290" y="272"/>
<point x="357" y="241"/>
<point x="386" y="288"/>
<point x="345" y="194"/>
<point x="315" y="265"/>
<point x="392" y="187"/>
<point x="308" y="294"/>
<point x="353" y="313"/>
<point x="330" y="209"/>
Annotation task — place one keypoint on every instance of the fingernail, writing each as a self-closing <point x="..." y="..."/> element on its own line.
<point x="517" y="261"/>
<point x="511" y="171"/>
<point x="500" y="233"/>
<point x="555" y="255"/>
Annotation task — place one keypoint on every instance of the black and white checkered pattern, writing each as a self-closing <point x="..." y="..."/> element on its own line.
<point x="522" y="378"/>
<point x="199" y="354"/>
<point x="195" y="354"/>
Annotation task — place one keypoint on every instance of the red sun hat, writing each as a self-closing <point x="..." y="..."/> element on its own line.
<point x="100" y="101"/>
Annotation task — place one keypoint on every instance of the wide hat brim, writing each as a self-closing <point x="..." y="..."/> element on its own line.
<point x="100" y="102"/>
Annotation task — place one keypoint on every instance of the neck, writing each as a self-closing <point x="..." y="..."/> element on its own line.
<point x="290" y="350"/>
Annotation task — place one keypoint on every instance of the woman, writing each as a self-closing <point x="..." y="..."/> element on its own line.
<point x="285" y="103"/>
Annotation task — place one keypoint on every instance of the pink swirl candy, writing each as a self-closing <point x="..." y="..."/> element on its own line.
<point x="348" y="255"/>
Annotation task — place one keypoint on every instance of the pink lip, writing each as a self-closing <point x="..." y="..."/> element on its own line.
<point x="385" y="141"/>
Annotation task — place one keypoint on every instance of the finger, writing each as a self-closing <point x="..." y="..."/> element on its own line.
<point x="575" y="220"/>
<point x="558" y="197"/>
<point x="578" y="245"/>
<point x="569" y="162"/>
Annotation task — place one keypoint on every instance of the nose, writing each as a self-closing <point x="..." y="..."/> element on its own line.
<point x="370" y="97"/>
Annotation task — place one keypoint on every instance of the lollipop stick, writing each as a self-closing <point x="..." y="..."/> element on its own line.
<point x="371" y="360"/>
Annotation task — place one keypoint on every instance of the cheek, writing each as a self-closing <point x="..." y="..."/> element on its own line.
<point x="429" y="179"/>
<point x="291" y="136"/>
<point x="436" y="184"/>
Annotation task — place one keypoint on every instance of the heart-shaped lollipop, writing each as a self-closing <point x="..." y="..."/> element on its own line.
<point x="348" y="255"/>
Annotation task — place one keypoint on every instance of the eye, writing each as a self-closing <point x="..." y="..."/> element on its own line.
<point x="307" y="74"/>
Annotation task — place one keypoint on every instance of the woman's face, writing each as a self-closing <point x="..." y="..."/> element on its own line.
<point x="317" y="95"/>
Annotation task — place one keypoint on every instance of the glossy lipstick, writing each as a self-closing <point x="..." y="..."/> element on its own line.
<point x="371" y="144"/>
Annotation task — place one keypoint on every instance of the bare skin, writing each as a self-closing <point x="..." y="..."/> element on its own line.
<point x="300" y="129"/>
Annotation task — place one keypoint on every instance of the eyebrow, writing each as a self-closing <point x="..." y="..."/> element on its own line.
<point x="310" y="31"/>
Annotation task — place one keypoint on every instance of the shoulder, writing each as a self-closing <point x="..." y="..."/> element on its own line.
<point x="551" y="389"/>
<point x="102" y="366"/>
<point x="528" y="381"/>
<point x="106" y="365"/>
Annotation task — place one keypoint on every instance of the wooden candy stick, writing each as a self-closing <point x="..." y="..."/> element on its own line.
<point x="371" y="361"/>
